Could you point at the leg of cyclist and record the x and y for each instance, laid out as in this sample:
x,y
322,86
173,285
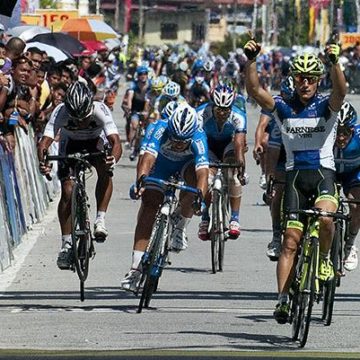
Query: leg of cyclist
x,y
65,257
150,203
293,199
327,201
185,211
274,247
132,132
351,257
203,232
235,193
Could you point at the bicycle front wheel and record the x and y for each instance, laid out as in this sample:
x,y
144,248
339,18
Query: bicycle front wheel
x,y
224,219
151,264
80,231
329,287
307,290
215,230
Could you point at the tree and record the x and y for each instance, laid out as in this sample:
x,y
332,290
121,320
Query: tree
x,y
48,4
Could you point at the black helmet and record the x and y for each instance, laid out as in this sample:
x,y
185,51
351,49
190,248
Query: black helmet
x,y
78,100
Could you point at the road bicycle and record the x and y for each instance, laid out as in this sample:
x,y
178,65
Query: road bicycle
x,y
219,214
306,287
82,240
138,136
337,258
156,254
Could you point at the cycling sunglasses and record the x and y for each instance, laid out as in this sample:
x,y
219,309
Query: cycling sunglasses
x,y
179,141
311,79
222,110
344,131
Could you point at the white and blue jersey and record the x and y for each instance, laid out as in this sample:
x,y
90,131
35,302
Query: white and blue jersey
x,y
219,139
347,161
308,132
169,161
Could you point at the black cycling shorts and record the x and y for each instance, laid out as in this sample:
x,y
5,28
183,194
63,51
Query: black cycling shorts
x,y
304,188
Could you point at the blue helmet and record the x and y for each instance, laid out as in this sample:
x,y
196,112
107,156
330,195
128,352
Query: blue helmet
x,y
183,122
347,116
142,70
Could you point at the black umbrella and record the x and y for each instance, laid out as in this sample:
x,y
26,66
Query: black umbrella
x,y
62,41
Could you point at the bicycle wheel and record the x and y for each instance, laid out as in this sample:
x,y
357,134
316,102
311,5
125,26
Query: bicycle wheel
x,y
329,287
151,266
307,291
215,230
224,219
80,231
295,313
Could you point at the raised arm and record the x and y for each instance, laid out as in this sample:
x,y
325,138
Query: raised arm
x,y
253,88
338,91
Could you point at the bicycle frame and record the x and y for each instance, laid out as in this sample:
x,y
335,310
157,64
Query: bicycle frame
x,y
155,257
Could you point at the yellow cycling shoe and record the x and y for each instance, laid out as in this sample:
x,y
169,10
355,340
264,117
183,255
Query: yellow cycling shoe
x,y
326,270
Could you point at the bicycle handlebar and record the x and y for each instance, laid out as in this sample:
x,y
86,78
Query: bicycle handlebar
x,y
223,165
318,212
150,179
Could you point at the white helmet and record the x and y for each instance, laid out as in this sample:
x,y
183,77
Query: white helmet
x,y
209,66
172,89
183,122
223,96
168,110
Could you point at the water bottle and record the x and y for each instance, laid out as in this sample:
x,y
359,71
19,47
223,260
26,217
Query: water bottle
x,y
13,118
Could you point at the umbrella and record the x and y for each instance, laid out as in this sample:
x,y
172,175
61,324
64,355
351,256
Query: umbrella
x,y
113,43
61,41
27,32
94,45
88,29
52,51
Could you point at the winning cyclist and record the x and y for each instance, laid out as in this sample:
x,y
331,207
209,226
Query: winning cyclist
x,y
347,152
176,146
225,128
80,122
308,125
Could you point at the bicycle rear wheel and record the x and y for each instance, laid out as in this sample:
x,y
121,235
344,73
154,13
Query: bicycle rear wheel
x,y
215,230
81,235
307,291
329,287
224,219
151,266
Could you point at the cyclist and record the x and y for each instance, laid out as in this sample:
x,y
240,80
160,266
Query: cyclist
x,y
274,165
198,90
136,102
171,92
80,121
347,152
308,126
176,146
225,128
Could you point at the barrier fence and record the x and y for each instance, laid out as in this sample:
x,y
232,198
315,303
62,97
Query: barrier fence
x,y
24,193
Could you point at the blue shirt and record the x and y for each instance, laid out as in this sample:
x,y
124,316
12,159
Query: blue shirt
x,y
308,132
160,146
348,158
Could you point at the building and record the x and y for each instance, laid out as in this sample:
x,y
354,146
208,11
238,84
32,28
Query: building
x,y
174,21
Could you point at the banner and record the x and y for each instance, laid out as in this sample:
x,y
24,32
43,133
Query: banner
x,y
54,19
349,39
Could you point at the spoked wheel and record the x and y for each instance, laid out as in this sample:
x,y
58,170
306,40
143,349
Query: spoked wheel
x,y
215,231
81,236
224,218
151,267
295,314
307,293
329,287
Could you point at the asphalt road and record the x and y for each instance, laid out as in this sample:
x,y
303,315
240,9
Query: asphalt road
x,y
194,314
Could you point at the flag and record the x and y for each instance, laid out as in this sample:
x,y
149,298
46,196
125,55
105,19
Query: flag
x,y
7,7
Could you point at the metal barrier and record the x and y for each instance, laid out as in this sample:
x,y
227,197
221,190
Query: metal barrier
x,y
24,193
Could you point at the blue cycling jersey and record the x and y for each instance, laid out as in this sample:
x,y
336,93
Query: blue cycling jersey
x,y
348,159
308,132
220,138
160,146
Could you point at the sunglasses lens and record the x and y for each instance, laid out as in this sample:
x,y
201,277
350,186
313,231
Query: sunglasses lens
x,y
309,79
